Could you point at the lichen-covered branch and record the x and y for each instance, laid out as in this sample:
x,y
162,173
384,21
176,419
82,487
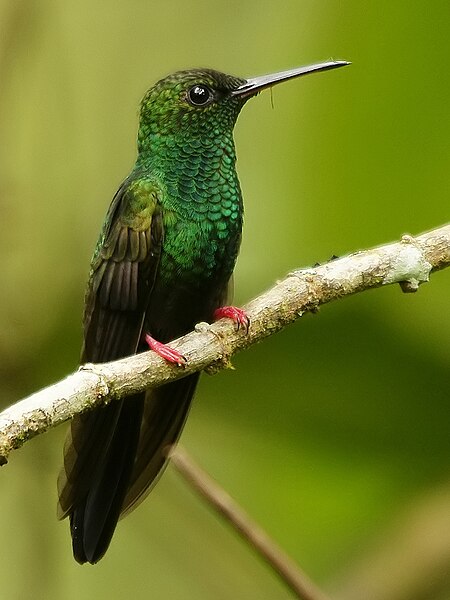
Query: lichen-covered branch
x,y
408,262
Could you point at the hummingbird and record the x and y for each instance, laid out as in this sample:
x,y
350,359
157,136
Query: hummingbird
x,y
163,262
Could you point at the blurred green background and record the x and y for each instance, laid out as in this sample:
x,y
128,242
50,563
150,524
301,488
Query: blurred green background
x,y
333,434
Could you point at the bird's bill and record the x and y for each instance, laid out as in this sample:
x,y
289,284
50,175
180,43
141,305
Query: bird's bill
x,y
257,84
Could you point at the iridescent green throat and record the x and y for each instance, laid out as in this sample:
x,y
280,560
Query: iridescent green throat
x,y
201,201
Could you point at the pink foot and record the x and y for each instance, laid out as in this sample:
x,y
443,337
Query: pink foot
x,y
165,352
231,312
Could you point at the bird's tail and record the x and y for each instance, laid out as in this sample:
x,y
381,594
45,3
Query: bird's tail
x,y
112,458
165,412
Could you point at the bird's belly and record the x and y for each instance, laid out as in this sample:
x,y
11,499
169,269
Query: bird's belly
x,y
177,306
192,282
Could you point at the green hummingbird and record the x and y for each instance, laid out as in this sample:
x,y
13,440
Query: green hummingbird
x,y
163,262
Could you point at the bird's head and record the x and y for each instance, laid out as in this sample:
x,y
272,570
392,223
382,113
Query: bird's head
x,y
202,101
191,102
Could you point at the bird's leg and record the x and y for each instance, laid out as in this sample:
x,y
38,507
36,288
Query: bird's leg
x,y
238,315
169,354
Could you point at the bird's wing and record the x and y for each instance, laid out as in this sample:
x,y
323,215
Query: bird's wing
x,y
123,271
122,274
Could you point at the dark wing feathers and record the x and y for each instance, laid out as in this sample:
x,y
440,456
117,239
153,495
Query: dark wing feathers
x,y
120,279
122,274
114,455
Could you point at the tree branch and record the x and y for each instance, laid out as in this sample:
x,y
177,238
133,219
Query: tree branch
x,y
288,571
408,262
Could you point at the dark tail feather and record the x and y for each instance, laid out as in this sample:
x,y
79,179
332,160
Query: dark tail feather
x,y
94,520
114,456
165,412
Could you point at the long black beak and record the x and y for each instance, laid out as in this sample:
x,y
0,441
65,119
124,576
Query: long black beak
x,y
257,84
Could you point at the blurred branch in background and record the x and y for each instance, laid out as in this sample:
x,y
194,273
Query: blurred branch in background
x,y
258,539
408,262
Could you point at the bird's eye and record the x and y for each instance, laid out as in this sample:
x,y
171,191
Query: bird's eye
x,y
199,95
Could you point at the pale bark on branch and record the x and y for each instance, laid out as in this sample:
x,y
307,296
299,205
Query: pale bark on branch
x,y
408,262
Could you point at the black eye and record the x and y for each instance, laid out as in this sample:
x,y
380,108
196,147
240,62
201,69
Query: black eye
x,y
199,95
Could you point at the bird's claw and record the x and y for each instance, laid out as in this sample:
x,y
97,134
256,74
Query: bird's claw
x,y
166,352
238,315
